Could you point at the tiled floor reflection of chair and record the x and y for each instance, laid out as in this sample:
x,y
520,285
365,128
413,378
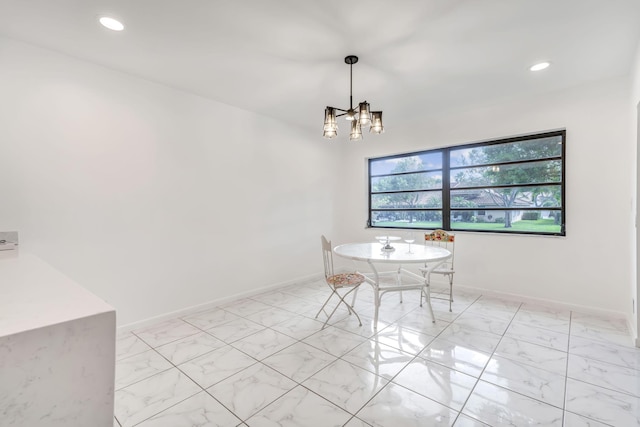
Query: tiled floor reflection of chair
x,y
337,282
447,241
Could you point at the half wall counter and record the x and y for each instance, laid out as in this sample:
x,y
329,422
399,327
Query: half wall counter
x,y
57,348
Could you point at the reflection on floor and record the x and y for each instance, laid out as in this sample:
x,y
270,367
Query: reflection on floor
x,y
264,361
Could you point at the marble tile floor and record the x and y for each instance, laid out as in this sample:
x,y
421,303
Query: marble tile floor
x,y
265,361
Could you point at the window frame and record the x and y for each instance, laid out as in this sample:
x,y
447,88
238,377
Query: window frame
x,y
446,190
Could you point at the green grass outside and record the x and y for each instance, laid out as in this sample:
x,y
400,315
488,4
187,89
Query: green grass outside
x,y
537,226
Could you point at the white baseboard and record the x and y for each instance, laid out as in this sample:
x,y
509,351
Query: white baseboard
x,y
214,303
546,302
634,339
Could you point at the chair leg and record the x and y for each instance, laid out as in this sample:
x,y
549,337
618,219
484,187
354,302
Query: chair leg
x,y
426,291
355,291
399,282
338,305
329,316
427,297
349,307
422,291
333,291
450,291
353,301
377,305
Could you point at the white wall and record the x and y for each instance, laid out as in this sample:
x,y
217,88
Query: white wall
x,y
634,109
154,199
589,267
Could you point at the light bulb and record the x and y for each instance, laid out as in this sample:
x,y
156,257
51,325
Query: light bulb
x,y
111,23
356,131
540,66
376,122
364,116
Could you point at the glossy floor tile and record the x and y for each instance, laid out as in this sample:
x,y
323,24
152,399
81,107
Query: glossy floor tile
x,y
498,406
397,406
139,367
356,388
381,359
300,408
266,361
198,410
251,389
601,404
444,385
456,356
188,348
535,355
527,380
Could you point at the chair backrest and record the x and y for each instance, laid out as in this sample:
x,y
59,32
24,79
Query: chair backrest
x,y
443,239
327,257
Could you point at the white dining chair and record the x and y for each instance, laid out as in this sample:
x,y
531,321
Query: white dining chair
x,y
340,281
447,241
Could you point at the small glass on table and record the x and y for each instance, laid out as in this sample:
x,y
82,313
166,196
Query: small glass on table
x,y
409,238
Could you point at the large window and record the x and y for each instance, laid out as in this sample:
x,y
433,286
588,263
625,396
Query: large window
x,y
513,185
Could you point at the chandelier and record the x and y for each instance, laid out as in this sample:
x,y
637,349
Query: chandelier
x,y
360,116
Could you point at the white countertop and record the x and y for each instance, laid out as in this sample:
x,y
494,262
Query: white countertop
x,y
33,295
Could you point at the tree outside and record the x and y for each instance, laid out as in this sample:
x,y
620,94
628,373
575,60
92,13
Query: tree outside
x,y
409,174
495,174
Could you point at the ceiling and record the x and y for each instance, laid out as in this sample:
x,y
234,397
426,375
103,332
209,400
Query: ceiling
x,y
285,58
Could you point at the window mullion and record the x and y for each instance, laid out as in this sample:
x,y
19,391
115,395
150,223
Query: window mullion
x,y
446,191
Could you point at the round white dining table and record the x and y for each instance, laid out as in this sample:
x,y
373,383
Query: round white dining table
x,y
372,252
403,253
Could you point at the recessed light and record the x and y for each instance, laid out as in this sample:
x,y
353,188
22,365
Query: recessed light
x,y
540,66
111,23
